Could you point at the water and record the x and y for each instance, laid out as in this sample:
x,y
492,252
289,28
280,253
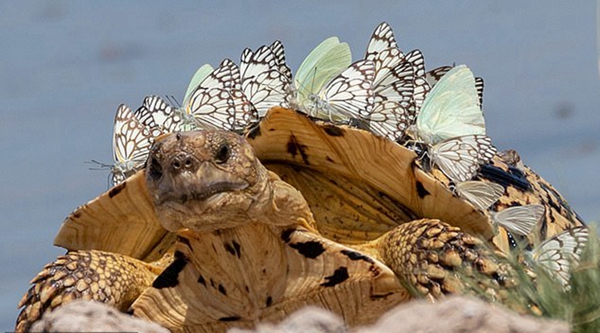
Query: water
x,y
66,66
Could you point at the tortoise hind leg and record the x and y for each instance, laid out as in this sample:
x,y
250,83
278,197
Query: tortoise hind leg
x,y
433,256
94,275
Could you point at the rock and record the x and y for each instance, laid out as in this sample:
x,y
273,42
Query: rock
x,y
90,316
460,314
455,314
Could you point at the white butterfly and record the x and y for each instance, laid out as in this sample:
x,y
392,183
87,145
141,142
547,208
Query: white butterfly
x,y
480,194
451,108
559,253
519,219
434,75
459,158
262,81
219,103
348,95
279,52
131,144
159,116
382,39
323,63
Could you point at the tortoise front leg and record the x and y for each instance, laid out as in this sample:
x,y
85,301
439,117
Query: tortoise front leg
x,y
433,257
106,277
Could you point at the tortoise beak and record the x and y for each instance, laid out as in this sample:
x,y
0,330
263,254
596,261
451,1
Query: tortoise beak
x,y
187,179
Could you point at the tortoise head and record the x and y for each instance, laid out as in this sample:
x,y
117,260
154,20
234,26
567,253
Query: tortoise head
x,y
205,180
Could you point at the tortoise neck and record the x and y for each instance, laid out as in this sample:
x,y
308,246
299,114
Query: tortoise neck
x,y
285,207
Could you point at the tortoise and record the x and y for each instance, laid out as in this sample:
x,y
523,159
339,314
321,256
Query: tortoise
x,y
356,215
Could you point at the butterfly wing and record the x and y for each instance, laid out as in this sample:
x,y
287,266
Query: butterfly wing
x,y
131,144
520,219
434,75
198,77
381,39
350,94
451,108
158,115
483,144
456,159
326,61
558,253
261,81
481,194
388,119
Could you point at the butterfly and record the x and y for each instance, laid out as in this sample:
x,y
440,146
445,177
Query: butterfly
x,y
262,81
382,39
519,220
323,63
558,253
218,101
480,194
198,77
450,109
459,158
347,96
434,75
286,72
159,116
131,144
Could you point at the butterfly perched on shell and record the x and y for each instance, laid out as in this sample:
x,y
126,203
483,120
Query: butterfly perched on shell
x,y
434,75
319,79
520,220
451,109
159,116
265,78
218,102
480,194
557,255
393,84
131,144
459,158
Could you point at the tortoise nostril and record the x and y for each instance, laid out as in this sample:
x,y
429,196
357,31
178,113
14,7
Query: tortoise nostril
x,y
176,164
184,162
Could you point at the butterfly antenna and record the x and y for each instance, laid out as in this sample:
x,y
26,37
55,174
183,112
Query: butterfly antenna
x,y
172,100
101,166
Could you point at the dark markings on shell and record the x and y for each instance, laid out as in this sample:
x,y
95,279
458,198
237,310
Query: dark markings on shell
x,y
353,255
294,148
333,130
222,290
231,318
504,178
516,172
230,249
237,248
311,249
168,278
115,190
421,190
286,234
374,297
76,214
201,280
340,275
329,159
269,301
254,133
184,241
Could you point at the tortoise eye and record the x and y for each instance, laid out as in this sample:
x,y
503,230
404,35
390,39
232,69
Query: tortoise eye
x,y
222,154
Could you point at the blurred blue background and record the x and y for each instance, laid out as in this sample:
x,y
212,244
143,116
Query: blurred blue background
x,y
66,66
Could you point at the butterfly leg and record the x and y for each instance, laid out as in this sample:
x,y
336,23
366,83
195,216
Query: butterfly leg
x,y
93,275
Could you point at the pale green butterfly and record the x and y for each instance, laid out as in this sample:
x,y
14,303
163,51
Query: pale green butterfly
x,y
198,77
323,63
451,108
